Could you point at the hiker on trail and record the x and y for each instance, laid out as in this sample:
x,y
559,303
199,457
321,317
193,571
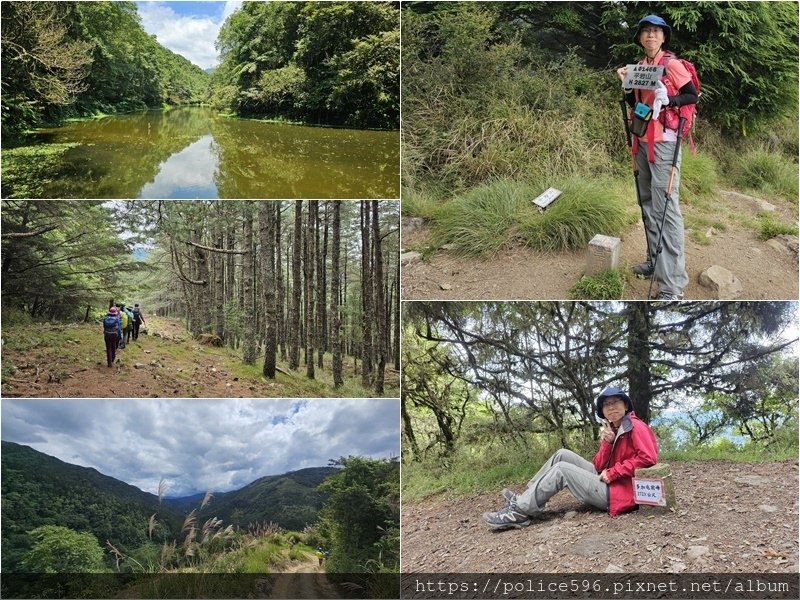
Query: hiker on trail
x,y
138,321
123,317
112,331
653,154
626,444
128,331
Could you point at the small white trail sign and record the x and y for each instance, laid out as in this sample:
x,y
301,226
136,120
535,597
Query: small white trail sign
x,y
649,491
643,77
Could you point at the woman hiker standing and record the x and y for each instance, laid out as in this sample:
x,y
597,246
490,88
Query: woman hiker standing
x,y
656,149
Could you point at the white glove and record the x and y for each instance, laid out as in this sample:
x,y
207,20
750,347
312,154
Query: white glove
x,y
661,99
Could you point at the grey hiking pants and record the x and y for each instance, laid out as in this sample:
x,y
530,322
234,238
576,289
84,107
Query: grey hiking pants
x,y
653,181
564,469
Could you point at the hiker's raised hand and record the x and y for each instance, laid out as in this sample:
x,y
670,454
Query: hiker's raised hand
x,y
621,72
607,434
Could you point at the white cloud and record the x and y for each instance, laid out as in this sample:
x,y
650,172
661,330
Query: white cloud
x,y
195,445
192,37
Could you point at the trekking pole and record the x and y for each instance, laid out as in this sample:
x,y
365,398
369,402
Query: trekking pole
x,y
624,106
667,200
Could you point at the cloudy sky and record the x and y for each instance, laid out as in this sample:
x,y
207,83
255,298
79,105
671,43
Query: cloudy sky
x,y
187,28
197,445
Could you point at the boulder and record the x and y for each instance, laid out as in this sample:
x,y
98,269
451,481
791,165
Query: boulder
x,y
408,258
784,243
755,204
722,282
411,224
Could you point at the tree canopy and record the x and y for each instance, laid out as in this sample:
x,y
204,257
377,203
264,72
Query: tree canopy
x,y
538,367
76,58
324,62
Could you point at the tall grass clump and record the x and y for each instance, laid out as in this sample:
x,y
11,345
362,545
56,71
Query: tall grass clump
x,y
766,172
584,209
478,223
769,227
698,176
608,285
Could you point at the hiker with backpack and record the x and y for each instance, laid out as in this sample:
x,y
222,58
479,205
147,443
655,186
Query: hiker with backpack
x,y
626,444
138,321
127,332
665,115
112,332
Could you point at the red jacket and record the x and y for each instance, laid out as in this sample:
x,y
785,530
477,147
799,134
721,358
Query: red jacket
x,y
635,447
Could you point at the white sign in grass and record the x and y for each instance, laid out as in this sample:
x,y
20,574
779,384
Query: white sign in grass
x,y
649,491
546,198
643,77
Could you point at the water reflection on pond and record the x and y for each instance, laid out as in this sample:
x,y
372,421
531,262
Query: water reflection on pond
x,y
191,153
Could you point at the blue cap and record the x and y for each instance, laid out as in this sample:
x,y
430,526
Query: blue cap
x,y
653,20
613,391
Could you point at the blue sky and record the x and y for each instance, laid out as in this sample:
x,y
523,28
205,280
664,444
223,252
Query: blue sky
x,y
195,444
187,28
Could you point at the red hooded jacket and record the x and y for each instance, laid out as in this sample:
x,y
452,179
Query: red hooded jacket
x,y
634,447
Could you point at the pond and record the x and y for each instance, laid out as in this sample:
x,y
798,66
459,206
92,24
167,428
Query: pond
x,y
192,153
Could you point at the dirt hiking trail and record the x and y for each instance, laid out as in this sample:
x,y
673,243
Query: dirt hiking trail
x,y
731,517
767,270
300,579
68,361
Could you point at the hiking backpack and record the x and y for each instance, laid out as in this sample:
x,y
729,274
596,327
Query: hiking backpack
x,y
110,324
670,116
137,314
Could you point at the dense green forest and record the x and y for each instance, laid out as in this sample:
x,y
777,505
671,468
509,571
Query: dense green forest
x,y
320,62
99,524
502,100
268,279
328,63
63,59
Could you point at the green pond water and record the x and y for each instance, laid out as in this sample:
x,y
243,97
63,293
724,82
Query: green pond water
x,y
191,153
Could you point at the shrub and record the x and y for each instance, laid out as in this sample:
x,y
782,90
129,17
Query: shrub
x,y
698,175
585,208
767,172
478,223
608,285
770,228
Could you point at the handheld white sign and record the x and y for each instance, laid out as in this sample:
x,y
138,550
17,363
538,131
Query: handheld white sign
x,y
649,491
643,77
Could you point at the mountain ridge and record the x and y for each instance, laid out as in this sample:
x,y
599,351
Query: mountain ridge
x,y
39,489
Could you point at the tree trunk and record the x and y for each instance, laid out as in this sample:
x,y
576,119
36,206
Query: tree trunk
x,y
396,310
380,306
249,333
336,342
366,296
266,221
408,431
294,327
230,272
219,278
311,250
321,321
279,284
639,379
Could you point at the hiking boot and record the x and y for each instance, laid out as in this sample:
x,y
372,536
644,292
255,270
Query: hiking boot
x,y
667,297
644,269
506,518
510,497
